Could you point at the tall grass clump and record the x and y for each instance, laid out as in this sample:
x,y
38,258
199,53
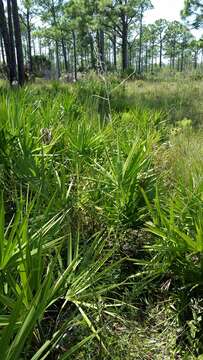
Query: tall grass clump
x,y
176,229
51,287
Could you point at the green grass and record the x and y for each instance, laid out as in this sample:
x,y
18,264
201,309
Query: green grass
x,y
175,98
101,220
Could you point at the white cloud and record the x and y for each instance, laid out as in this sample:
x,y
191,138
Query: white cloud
x,y
166,9
169,10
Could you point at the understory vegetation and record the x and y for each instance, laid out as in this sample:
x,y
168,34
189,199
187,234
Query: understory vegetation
x,y
101,220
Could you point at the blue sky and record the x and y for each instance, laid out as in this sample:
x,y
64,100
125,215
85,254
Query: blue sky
x,y
167,9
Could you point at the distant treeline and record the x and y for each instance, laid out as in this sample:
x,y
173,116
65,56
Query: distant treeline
x,y
80,35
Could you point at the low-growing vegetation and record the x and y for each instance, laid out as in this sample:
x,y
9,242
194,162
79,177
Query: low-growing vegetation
x,y
101,220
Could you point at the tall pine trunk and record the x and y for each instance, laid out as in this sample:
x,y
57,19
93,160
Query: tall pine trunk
x,y
2,50
74,55
195,59
93,60
140,41
173,55
18,41
114,52
182,59
152,58
160,53
101,50
33,46
82,59
29,41
64,55
11,37
58,70
125,47
146,59
6,41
